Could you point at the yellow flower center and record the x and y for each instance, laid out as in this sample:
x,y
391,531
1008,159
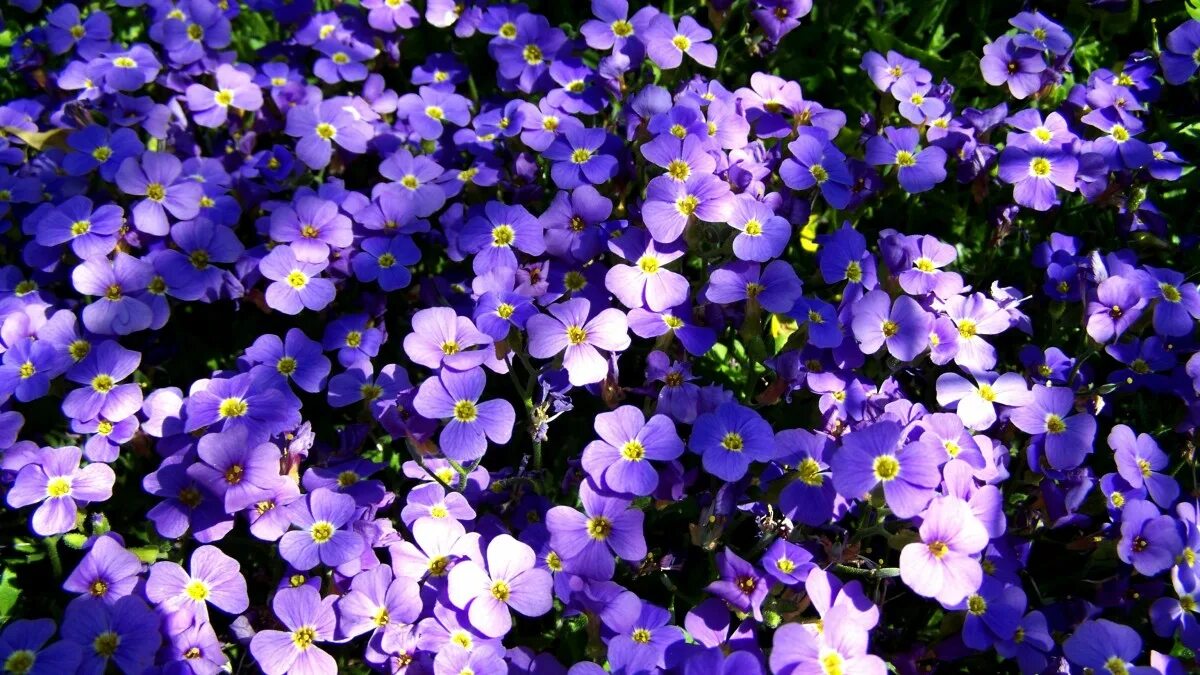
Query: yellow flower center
x,y
733,442
640,636
753,228
321,531
1170,293
681,42
889,328
465,411
532,54
905,158
1039,167
80,227
1119,133
503,235
233,475
297,279
687,204
223,98
20,662
679,170
304,637
500,590
633,451
785,565
854,273
26,370
286,365
232,407
59,486
439,511
976,604
124,62
939,549
326,131
581,156
1055,424
106,643
818,173
576,335
886,467
98,588
381,617
621,28
966,329
438,565
196,590
156,192
810,472
599,528
508,30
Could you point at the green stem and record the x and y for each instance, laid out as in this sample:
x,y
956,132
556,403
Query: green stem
x,y
52,553
863,573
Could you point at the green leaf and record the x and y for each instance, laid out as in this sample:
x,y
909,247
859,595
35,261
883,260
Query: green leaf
x,y
1193,9
147,554
8,593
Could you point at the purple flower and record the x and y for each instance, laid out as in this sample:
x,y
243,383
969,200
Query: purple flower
x,y
455,395
570,331
93,232
384,259
236,470
903,327
510,580
238,402
235,89
436,544
414,186
494,234
578,158
158,177
319,126
309,619
729,439
918,169
429,109
942,565
740,585
872,456
993,613
620,460
125,634
214,578
296,358
642,639
666,46
587,541
1178,303
96,147
378,602
841,647
322,516
763,235
115,311
311,226
1034,173
925,275
775,287
1039,32
1139,461
125,71
108,572
432,501
56,482
23,649
975,404
1118,305
1068,438
295,285
28,367
1150,541
1005,62
671,205
1179,62
887,71
101,370
809,495
647,282
571,222
816,161
1103,645
388,15
1120,147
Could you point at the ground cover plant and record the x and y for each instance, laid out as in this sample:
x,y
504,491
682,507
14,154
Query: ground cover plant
x,y
465,337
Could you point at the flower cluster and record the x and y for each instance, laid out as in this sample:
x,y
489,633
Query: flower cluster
x,y
467,337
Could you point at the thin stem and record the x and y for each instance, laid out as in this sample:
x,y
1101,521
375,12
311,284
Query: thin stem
x,y
52,554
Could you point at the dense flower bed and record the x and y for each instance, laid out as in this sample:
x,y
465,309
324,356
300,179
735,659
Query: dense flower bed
x,y
468,338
